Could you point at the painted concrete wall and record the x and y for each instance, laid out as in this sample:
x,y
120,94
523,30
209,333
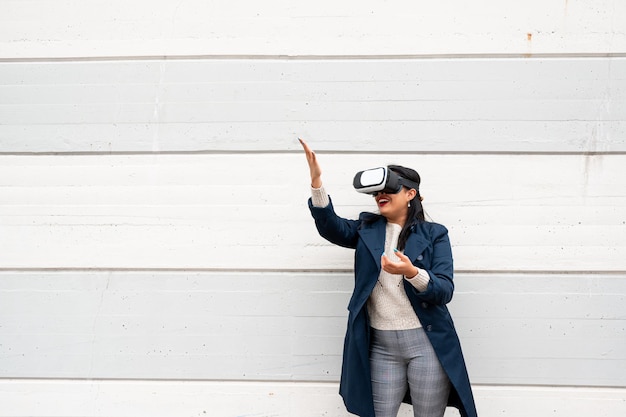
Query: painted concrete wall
x,y
157,257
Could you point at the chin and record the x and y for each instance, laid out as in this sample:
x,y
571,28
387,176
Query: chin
x,y
383,212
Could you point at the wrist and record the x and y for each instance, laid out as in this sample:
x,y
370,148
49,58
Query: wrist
x,y
413,273
316,182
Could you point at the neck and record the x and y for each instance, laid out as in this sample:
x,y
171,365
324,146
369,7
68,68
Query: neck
x,y
397,220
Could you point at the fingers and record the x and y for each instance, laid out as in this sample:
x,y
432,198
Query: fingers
x,y
388,265
402,256
310,155
314,167
402,266
305,146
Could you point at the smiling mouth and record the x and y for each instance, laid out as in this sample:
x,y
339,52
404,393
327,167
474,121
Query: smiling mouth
x,y
382,202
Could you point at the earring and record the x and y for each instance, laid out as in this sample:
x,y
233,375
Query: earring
x,y
409,204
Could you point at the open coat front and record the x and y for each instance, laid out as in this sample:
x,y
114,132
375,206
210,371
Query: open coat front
x,y
428,247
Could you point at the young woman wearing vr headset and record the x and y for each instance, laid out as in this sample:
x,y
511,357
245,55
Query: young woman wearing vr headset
x,y
400,344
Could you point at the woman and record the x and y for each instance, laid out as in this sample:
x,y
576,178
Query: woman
x,y
400,343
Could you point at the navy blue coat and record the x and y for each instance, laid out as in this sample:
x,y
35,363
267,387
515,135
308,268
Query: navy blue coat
x,y
428,247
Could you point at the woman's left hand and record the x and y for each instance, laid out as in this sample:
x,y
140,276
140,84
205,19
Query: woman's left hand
x,y
402,267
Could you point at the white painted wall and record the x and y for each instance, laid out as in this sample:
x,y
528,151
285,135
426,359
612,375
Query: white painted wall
x,y
476,105
157,257
88,28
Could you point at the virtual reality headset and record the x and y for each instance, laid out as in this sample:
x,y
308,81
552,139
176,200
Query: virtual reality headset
x,y
382,179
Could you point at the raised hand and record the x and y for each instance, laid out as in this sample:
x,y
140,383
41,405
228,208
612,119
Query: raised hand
x,y
314,166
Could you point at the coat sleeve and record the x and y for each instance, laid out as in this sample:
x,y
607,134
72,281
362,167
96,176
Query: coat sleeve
x,y
441,285
335,229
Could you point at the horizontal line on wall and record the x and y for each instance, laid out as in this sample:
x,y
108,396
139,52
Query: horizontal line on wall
x,y
321,152
304,271
280,57
281,382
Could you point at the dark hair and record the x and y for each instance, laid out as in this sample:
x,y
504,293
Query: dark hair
x,y
415,214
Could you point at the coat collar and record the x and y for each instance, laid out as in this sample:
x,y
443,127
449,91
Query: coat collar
x,y
416,243
374,238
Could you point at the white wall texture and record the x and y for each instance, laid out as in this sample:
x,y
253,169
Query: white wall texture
x,y
157,257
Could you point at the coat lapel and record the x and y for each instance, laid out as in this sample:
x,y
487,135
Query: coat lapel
x,y
374,239
415,244
366,274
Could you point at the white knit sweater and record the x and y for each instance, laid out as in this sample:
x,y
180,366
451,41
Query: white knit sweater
x,y
388,306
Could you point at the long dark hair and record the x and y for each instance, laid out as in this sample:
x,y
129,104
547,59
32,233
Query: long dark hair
x,y
415,213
